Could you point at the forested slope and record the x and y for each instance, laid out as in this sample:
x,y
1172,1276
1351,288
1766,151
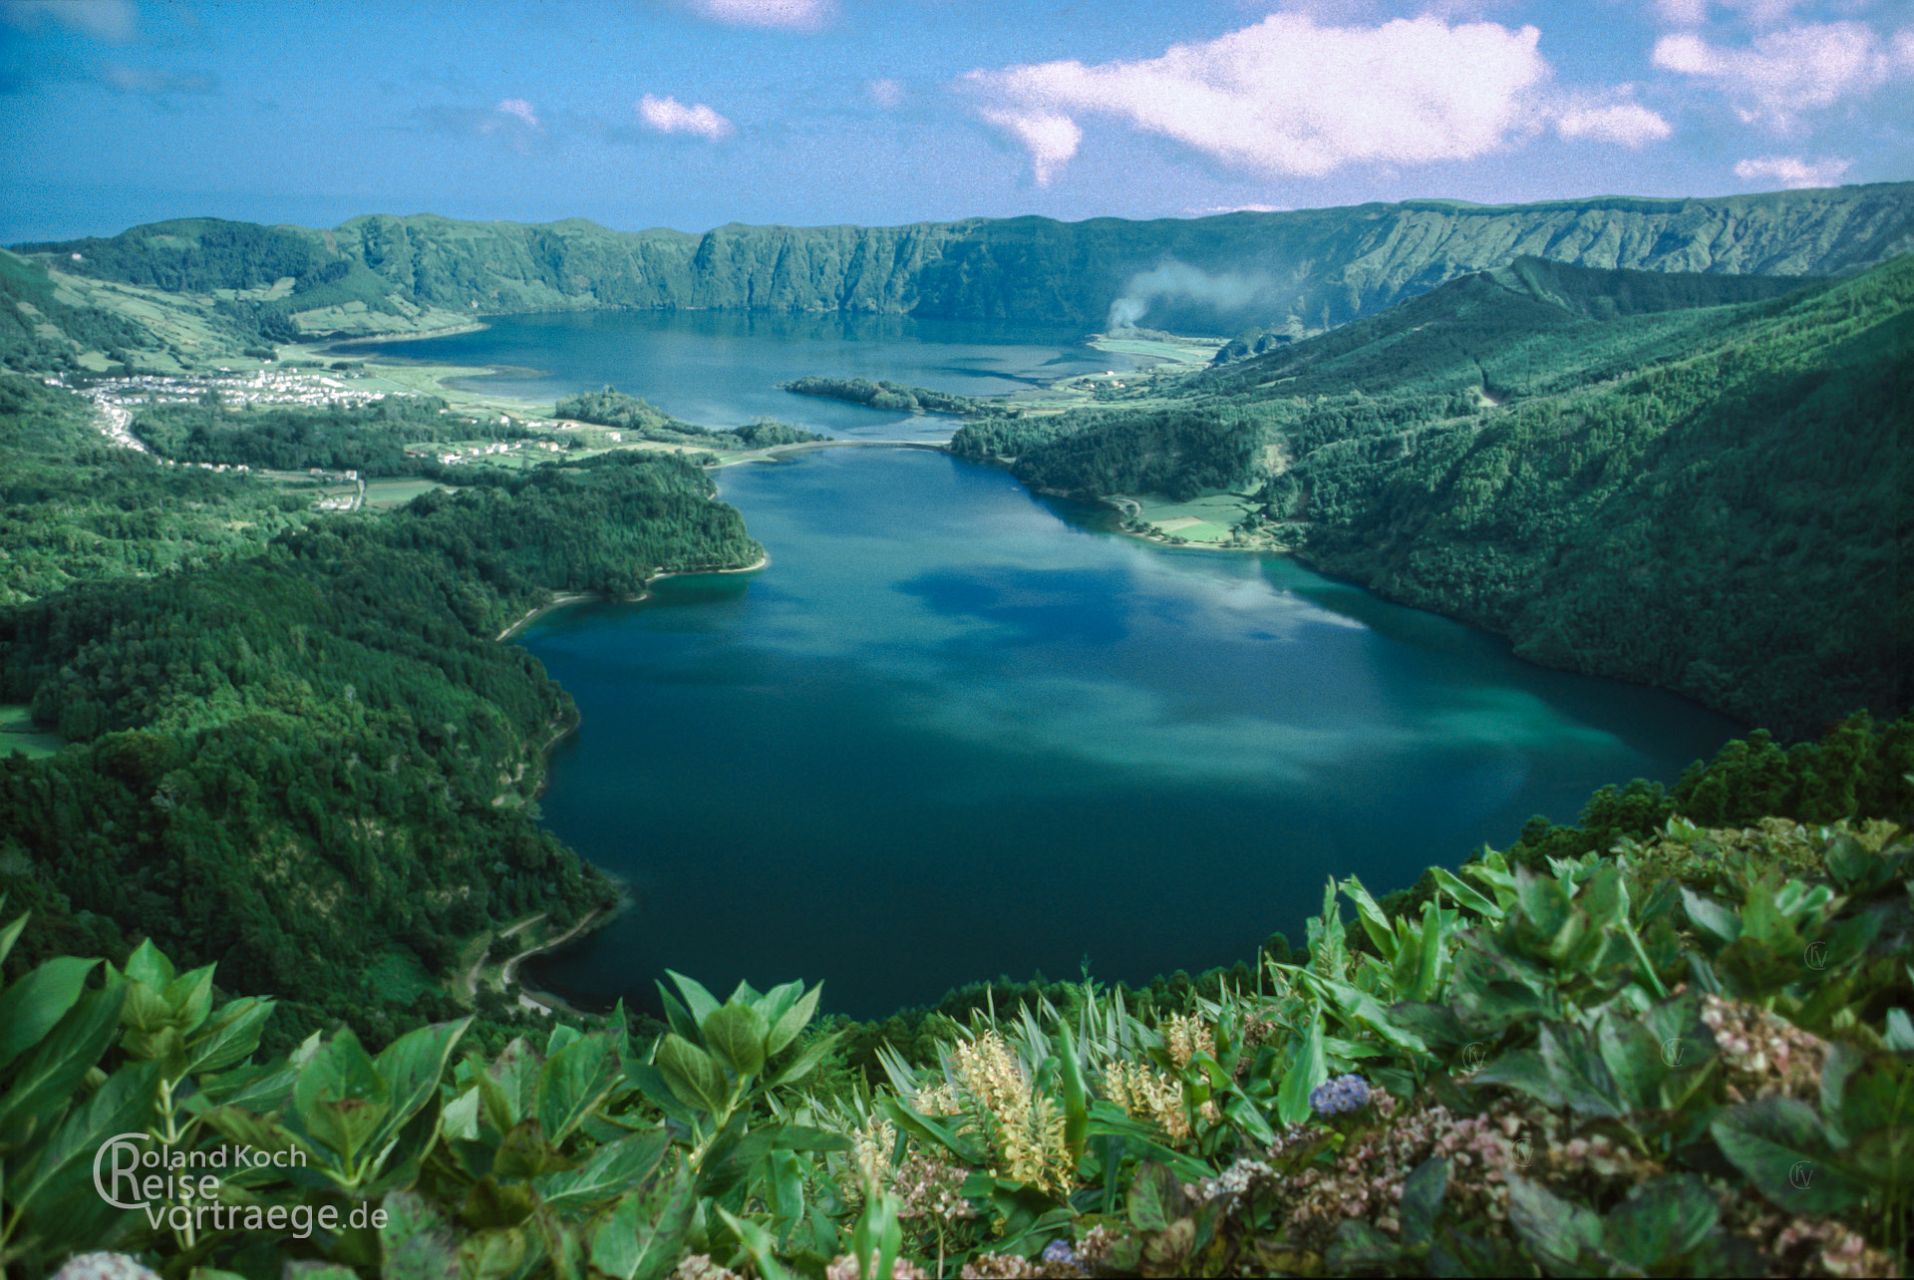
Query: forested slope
x,y
1310,268
306,758
1711,499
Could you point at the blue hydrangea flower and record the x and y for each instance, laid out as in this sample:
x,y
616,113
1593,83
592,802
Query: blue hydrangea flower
x,y
1340,1096
1059,1252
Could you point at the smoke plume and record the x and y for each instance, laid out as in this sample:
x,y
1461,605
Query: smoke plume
x,y
1179,281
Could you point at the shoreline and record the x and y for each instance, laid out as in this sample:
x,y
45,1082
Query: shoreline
x,y
327,344
564,599
549,1003
535,999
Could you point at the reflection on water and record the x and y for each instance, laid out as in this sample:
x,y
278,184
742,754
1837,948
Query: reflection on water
x,y
723,369
956,731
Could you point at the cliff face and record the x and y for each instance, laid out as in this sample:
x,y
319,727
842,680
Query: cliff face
x,y
1308,269
1319,267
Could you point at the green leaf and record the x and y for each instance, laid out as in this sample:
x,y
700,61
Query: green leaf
x,y
651,1082
1429,960
690,1074
1464,894
700,1002
1307,1069
1374,923
1660,1222
56,1188
1780,1146
877,1238
758,1243
607,1171
1562,1234
45,1079
644,1234
149,964
411,1068
736,1033
574,1080
805,1060
1422,1193
416,1242
32,1006
1076,1109
792,1020
340,1099
509,1086
1155,1198
1710,916
1635,1060
1578,1073
10,933
677,1017
232,1037
932,1132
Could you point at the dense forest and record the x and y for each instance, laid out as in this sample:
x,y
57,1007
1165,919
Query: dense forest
x,y
1620,482
307,759
76,509
371,437
611,407
894,397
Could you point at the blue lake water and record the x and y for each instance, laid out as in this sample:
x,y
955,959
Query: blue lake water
x,y
723,369
956,730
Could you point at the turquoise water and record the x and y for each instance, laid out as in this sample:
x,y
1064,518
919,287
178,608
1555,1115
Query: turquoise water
x,y
954,731
722,369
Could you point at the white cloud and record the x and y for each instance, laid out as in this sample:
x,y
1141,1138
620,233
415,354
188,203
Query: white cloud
x,y
1783,73
1693,13
1287,96
1682,13
801,14
1051,139
1623,122
668,115
1792,171
886,93
114,20
519,109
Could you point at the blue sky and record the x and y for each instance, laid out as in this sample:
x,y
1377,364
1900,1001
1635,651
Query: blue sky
x,y
692,113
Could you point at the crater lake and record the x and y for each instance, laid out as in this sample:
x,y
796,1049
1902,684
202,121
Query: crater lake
x,y
956,730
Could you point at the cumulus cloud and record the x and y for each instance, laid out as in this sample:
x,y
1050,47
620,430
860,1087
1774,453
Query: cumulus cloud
x,y
668,115
799,14
886,93
1782,73
1050,138
114,20
1615,119
153,83
1792,171
1288,96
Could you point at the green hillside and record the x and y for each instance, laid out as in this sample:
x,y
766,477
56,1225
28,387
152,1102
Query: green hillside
x,y
1310,269
1652,496
294,745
